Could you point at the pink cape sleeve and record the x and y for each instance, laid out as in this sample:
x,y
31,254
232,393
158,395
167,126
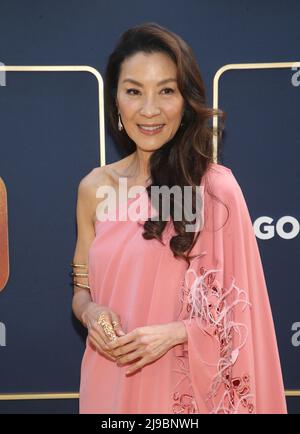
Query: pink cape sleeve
x,y
233,358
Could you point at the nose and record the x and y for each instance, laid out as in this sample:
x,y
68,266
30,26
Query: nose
x,y
149,107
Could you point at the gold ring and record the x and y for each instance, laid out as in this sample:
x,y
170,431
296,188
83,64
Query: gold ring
x,y
101,318
107,327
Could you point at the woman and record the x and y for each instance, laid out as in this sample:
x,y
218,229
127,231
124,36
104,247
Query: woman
x,y
178,321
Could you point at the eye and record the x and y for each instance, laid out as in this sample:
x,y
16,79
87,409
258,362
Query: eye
x,y
130,90
169,89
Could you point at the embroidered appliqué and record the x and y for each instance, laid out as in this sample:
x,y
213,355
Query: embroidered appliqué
x,y
183,397
184,403
213,309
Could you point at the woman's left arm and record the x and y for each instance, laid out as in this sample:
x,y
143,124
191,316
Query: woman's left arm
x,y
234,363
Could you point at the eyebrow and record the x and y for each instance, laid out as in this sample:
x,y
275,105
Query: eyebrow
x,y
130,80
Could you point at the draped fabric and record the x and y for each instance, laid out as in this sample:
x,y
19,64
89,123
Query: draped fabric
x,y
232,350
230,362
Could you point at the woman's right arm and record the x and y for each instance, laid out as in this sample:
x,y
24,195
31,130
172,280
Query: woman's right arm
x,y
85,310
82,302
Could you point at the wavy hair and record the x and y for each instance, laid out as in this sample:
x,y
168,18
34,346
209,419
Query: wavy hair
x,y
184,159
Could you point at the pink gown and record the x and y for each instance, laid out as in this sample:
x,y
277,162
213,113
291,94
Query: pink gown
x,y
230,363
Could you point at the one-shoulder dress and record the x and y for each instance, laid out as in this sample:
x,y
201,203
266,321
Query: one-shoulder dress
x,y
230,362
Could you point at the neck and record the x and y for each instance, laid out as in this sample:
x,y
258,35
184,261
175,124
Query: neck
x,y
138,165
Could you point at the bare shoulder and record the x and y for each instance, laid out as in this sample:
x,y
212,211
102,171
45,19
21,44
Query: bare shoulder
x,y
107,175
87,192
118,168
104,175
92,180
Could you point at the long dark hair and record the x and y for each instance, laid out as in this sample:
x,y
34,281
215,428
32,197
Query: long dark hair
x,y
184,159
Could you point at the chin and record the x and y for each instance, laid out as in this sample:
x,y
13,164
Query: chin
x,y
149,143
149,148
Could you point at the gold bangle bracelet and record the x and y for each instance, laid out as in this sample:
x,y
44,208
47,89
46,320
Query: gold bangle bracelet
x,y
81,285
78,265
80,274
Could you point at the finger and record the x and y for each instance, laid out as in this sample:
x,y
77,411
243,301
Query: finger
x,y
129,358
99,339
125,349
99,349
95,344
104,327
116,323
122,340
135,367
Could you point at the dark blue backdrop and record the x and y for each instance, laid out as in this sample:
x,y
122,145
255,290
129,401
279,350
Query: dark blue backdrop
x,y
50,140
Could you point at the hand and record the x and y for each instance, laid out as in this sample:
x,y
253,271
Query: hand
x,y
97,338
147,344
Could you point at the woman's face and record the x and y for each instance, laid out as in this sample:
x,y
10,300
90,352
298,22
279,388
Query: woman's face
x,y
148,96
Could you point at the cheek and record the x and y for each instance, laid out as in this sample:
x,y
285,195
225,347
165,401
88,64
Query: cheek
x,y
127,106
173,111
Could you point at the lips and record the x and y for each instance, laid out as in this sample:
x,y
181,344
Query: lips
x,y
150,129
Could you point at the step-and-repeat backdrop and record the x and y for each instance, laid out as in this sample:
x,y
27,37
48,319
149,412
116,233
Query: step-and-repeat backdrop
x,y
50,139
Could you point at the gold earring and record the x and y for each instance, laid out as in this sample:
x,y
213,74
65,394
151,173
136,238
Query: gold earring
x,y
120,126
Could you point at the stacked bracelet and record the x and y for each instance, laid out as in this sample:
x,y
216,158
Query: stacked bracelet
x,y
75,283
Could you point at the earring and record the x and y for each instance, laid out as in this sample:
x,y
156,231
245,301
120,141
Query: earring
x,y
120,126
